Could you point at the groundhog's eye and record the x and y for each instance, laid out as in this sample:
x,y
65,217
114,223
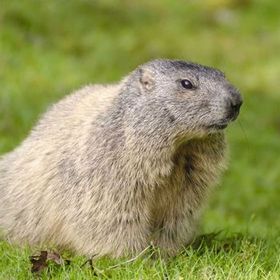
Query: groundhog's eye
x,y
186,84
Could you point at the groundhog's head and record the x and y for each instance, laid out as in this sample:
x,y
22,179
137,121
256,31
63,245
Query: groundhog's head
x,y
193,98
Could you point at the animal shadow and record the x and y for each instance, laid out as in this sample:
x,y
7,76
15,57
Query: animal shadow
x,y
218,242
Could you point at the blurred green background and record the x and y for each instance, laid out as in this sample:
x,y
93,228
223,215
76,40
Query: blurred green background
x,y
49,48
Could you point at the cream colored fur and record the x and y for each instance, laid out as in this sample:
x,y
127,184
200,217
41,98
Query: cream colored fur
x,y
110,169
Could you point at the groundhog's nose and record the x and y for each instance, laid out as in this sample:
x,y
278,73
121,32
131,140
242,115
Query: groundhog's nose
x,y
234,109
234,102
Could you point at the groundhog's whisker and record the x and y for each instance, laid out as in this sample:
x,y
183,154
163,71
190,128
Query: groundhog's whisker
x,y
243,131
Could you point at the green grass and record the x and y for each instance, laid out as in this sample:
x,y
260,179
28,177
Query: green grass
x,y
49,48
235,257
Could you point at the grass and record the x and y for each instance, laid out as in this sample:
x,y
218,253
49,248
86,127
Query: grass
x,y
237,257
49,48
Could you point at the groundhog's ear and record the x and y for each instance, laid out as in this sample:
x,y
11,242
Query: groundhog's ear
x,y
146,79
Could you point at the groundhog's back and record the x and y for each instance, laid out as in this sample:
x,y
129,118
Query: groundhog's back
x,y
64,126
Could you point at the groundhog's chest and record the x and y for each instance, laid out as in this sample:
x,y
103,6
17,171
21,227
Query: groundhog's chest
x,y
195,169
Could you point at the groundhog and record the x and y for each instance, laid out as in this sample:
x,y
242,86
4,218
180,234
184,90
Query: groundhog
x,y
111,169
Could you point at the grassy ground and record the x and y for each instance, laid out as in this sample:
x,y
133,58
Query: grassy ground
x,y
48,48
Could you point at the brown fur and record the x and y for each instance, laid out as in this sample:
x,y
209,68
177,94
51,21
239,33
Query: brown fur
x,y
110,169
